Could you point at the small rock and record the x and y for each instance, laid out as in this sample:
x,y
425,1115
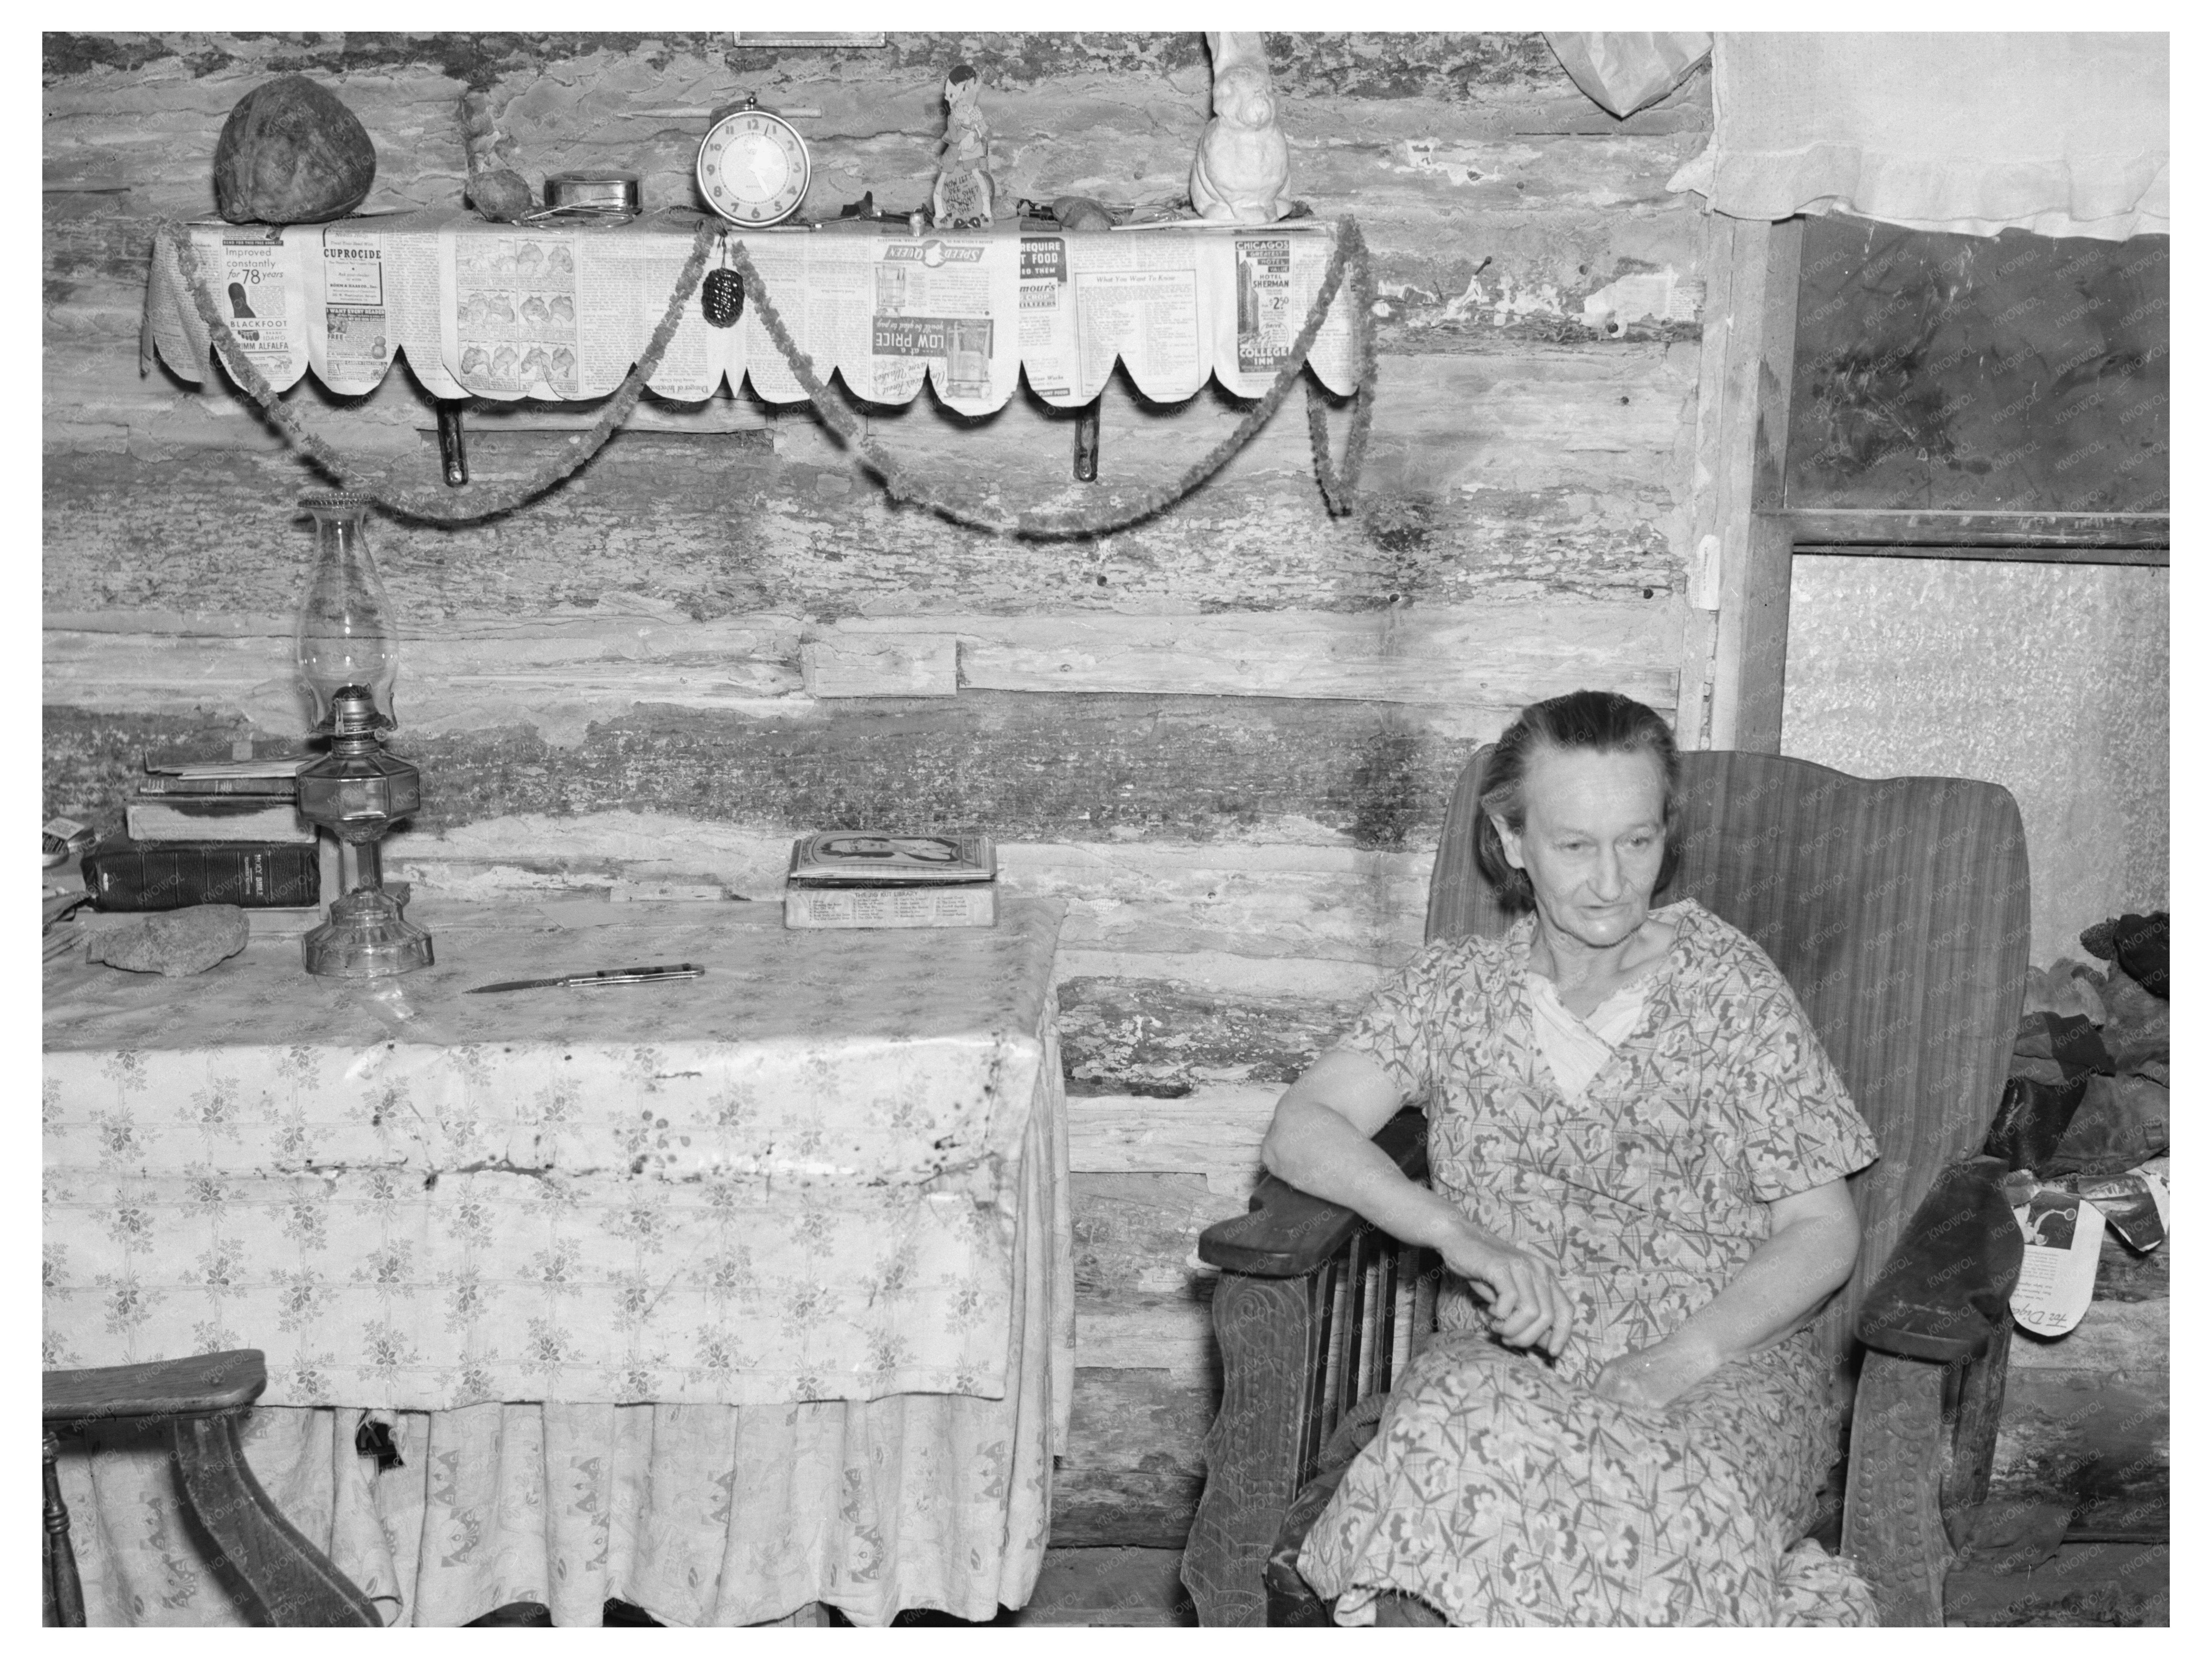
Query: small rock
x,y
500,195
174,943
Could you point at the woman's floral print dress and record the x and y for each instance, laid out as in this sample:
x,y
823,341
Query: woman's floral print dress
x,y
1499,1488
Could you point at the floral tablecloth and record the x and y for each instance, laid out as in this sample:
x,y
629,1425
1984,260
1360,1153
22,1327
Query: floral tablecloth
x,y
830,1170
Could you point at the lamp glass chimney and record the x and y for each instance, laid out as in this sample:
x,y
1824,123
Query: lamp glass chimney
x,y
345,635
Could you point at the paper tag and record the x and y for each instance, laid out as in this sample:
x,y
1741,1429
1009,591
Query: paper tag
x,y
2058,1266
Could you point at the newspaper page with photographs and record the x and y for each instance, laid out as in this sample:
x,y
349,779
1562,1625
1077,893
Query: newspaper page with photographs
x,y
510,319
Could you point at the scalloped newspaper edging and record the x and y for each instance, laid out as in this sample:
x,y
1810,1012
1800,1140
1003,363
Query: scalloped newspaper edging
x,y
1337,482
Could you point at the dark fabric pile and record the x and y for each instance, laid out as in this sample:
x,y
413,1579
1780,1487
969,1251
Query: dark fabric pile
x,y
2087,1093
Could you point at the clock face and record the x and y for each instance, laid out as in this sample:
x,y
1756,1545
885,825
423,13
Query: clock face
x,y
753,168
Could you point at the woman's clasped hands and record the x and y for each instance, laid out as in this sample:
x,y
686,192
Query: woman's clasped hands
x,y
1528,1307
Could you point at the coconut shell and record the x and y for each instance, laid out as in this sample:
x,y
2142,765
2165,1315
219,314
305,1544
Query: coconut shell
x,y
291,154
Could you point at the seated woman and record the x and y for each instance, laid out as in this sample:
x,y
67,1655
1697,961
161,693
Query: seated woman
x,y
1636,1149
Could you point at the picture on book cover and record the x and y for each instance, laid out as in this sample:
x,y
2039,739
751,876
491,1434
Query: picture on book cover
x,y
873,857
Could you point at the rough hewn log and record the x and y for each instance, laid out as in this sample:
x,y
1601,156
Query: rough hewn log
x,y
1477,657
1136,1233
1499,197
1133,1473
1167,1334
1215,1132
1227,918
1500,78
2127,1341
1128,1037
1502,476
1031,767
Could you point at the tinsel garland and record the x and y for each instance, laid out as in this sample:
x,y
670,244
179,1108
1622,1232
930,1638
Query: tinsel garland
x,y
1338,488
473,506
1338,484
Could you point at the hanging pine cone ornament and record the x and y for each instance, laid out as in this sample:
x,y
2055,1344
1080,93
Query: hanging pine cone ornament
x,y
291,154
722,296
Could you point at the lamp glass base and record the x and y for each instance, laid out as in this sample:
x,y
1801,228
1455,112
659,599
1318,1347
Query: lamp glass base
x,y
366,938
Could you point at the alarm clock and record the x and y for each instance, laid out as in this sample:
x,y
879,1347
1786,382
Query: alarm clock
x,y
753,167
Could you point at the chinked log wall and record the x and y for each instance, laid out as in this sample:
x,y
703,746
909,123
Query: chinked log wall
x,y
1225,738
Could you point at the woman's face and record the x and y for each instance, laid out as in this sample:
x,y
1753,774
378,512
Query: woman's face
x,y
1594,836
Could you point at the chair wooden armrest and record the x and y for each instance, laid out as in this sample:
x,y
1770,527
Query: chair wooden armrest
x,y
1937,1324
198,1401
1287,1233
205,1382
1944,1289
1286,1265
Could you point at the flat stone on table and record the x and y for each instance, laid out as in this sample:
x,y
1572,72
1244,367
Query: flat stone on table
x,y
174,942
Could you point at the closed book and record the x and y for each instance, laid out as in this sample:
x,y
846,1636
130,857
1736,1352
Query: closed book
x,y
215,817
959,906
169,783
172,875
193,767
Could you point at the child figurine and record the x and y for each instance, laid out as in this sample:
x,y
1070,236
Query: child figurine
x,y
1243,165
962,199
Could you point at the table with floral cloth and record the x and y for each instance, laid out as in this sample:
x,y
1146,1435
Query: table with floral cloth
x,y
721,1296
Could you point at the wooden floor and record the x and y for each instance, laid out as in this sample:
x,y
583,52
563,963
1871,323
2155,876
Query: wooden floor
x,y
2084,1584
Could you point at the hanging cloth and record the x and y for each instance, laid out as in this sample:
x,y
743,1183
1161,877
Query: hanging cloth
x,y
2064,135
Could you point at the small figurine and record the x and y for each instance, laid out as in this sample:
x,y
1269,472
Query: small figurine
x,y
1243,165
962,197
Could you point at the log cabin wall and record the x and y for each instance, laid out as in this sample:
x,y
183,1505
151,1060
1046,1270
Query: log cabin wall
x,y
1225,738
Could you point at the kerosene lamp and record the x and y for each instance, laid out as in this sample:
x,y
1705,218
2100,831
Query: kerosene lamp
x,y
349,656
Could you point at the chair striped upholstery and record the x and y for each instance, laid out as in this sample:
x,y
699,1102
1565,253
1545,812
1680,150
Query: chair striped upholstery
x,y
1896,909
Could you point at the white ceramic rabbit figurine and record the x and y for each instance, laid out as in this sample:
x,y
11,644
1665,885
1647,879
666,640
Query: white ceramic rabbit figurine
x,y
1242,168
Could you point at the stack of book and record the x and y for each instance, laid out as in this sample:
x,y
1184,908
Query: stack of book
x,y
211,832
884,878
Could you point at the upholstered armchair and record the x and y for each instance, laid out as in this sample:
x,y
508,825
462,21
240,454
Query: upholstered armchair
x,y
1897,908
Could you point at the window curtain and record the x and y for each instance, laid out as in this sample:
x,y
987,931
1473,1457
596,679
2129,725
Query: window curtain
x,y
2064,135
